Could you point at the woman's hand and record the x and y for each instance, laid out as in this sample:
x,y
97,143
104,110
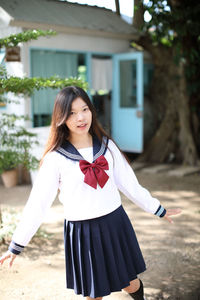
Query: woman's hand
x,y
171,212
8,255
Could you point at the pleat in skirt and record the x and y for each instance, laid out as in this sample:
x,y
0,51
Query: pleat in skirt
x,y
102,255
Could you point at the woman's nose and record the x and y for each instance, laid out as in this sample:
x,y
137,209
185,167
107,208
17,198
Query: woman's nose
x,y
79,116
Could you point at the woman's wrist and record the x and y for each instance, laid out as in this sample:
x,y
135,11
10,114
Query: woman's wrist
x,y
15,248
161,211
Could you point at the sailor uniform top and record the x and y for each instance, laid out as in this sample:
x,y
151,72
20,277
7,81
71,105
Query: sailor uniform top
x,y
87,188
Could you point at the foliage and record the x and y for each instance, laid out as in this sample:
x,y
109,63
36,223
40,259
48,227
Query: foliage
x,y
8,224
8,160
27,85
15,143
14,39
176,23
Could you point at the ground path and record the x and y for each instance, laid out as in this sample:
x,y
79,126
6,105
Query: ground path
x,y
172,252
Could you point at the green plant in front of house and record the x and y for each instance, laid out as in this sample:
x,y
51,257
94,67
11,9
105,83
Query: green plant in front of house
x,y
8,223
27,86
15,144
8,160
22,37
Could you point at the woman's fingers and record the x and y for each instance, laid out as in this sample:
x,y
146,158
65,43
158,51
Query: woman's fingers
x,y
8,255
4,257
171,212
168,219
13,256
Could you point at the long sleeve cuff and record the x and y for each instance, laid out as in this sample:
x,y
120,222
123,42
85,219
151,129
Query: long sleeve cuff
x,y
15,248
161,211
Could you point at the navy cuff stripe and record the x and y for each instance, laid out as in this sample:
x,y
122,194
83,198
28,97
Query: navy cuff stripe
x,y
15,248
164,212
161,211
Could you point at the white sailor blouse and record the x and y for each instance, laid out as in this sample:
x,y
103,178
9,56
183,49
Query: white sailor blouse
x,y
87,190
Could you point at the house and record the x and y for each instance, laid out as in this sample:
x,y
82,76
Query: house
x,y
91,42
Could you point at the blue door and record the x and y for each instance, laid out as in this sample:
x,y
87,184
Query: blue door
x,y
127,101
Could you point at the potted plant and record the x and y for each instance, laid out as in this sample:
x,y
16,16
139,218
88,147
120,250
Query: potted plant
x,y
15,148
8,167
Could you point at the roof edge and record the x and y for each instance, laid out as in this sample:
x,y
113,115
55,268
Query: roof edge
x,y
74,30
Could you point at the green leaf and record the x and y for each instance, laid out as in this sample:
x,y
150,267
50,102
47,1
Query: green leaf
x,y
25,36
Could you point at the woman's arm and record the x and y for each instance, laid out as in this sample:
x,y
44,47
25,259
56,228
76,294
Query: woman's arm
x,y
41,198
128,184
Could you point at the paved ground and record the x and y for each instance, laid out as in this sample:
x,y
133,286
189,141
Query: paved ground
x,y
171,251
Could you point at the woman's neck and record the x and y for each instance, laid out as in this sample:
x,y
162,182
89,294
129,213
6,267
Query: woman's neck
x,y
81,141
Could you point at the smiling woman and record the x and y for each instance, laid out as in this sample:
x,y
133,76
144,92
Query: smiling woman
x,y
101,249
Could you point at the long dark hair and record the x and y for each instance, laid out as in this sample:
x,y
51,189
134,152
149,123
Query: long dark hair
x,y
62,108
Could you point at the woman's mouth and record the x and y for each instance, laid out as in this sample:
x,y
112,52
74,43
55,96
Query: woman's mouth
x,y
82,126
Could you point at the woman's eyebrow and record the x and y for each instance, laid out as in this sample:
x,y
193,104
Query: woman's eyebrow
x,y
85,105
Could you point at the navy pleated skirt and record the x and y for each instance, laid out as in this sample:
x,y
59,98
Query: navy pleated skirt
x,y
102,254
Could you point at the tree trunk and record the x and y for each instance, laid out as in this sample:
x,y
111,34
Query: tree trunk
x,y
188,148
138,18
0,217
173,139
162,146
117,7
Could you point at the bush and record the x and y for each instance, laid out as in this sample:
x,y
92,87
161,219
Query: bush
x,y
15,144
8,224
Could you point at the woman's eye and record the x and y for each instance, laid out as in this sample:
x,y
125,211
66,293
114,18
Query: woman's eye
x,y
85,109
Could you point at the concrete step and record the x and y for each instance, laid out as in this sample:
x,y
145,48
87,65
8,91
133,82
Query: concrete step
x,y
168,169
157,169
139,165
183,171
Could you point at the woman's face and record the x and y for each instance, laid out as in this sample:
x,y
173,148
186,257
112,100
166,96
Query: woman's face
x,y
80,118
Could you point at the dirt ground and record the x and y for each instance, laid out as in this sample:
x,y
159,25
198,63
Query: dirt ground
x,y
171,251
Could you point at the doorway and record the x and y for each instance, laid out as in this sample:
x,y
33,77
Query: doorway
x,y
101,88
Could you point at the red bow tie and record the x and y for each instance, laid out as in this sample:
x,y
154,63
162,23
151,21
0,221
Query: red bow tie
x,y
94,173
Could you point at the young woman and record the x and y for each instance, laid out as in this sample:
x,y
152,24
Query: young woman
x,y
101,250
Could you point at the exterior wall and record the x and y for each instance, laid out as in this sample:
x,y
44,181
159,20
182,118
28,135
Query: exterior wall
x,y
8,30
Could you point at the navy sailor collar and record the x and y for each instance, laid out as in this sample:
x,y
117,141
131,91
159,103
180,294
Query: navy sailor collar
x,y
69,151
